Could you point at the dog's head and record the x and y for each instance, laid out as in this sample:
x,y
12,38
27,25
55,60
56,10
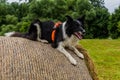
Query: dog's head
x,y
75,27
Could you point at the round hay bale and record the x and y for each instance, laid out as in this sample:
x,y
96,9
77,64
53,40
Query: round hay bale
x,y
22,59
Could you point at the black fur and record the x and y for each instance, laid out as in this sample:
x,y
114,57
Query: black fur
x,y
46,30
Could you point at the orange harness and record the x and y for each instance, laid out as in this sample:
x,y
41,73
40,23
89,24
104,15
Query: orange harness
x,y
54,30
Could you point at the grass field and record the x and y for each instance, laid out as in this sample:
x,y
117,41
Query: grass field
x,y
106,56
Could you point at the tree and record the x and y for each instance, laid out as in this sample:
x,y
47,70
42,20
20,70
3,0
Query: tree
x,y
23,11
118,26
3,12
96,17
95,14
114,24
13,8
3,1
97,3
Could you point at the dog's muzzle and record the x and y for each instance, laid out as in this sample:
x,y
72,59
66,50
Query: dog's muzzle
x,y
79,34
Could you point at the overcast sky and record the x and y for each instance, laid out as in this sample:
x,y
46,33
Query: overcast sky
x,y
15,1
110,4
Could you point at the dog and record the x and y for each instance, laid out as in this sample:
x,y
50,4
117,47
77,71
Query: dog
x,y
59,35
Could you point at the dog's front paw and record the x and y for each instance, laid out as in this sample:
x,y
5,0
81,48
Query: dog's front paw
x,y
81,56
73,61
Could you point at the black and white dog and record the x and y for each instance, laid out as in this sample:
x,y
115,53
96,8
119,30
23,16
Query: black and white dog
x,y
61,35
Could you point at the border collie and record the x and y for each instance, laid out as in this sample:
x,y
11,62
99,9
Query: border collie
x,y
59,35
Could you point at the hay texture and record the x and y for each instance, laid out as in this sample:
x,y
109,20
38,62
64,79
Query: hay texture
x,y
22,59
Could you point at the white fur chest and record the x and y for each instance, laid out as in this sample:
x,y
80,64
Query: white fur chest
x,y
72,41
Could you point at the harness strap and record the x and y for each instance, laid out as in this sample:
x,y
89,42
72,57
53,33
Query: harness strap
x,y
54,30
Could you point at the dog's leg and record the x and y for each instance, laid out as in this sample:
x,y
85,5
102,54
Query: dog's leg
x,y
62,50
77,52
43,41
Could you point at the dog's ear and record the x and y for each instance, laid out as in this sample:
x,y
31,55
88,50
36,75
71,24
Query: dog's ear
x,y
69,18
81,19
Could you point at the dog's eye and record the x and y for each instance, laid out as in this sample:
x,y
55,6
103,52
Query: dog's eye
x,y
77,24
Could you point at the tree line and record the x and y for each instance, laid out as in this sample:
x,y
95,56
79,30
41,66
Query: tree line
x,y
98,23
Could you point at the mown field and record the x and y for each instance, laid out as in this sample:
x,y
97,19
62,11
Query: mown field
x,y
106,56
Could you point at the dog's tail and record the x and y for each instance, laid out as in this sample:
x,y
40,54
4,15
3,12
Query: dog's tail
x,y
31,34
9,34
17,34
23,35
14,34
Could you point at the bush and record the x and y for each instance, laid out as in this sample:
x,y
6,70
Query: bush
x,y
7,28
23,26
11,19
20,27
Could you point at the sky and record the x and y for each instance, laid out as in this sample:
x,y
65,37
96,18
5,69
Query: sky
x,y
110,4
15,1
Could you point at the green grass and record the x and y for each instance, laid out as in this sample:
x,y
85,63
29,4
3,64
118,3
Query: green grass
x,y
106,56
